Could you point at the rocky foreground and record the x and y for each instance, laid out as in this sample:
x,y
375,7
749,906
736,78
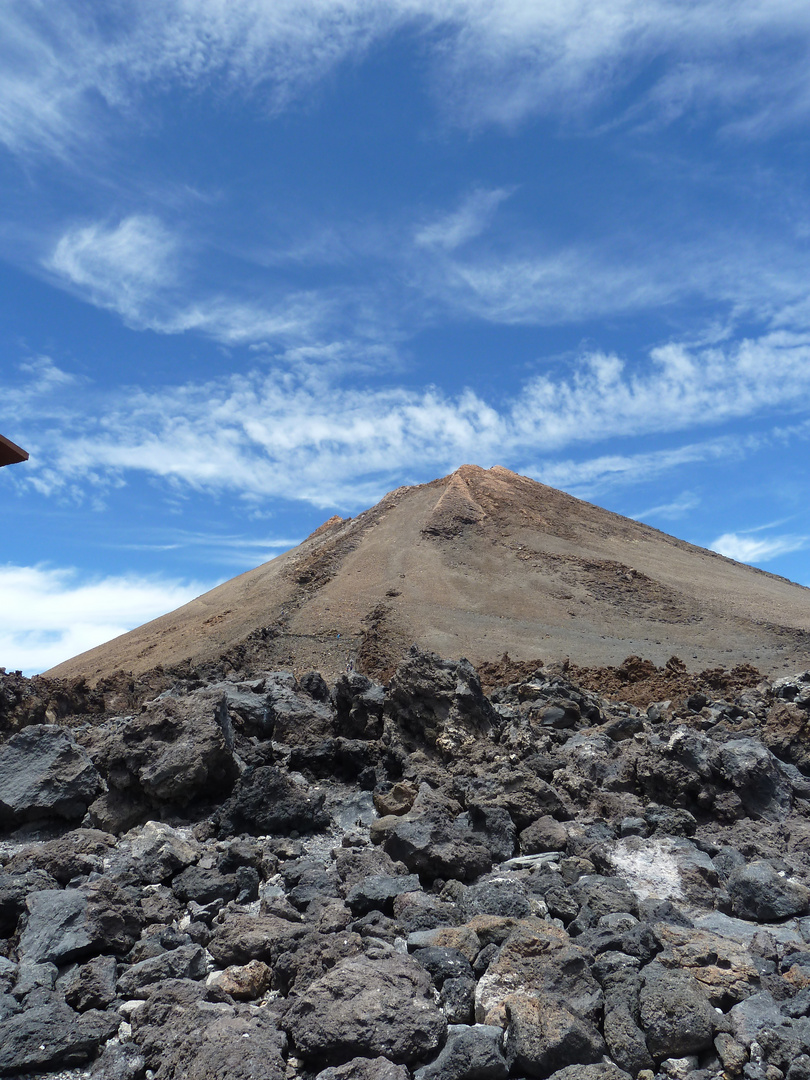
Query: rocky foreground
x,y
262,877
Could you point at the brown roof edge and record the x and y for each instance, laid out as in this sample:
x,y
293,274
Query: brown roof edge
x,y
10,453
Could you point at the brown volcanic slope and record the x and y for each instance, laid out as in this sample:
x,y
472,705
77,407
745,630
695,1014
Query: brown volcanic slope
x,y
476,564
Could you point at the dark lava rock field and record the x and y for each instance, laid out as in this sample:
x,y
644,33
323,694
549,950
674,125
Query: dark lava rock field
x,y
249,876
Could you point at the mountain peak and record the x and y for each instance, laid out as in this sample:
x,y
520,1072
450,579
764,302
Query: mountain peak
x,y
480,563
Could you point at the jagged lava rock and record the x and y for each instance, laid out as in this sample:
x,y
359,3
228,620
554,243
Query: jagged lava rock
x,y
253,928
438,703
45,773
184,1033
72,924
367,1007
47,1037
758,891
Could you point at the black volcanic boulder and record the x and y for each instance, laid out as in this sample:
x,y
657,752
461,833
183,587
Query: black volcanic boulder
x,y
242,938
755,774
298,719
470,1052
73,924
266,801
177,749
74,854
367,1008
377,892
434,845
91,986
185,962
45,1037
359,703
675,1013
759,892
544,1034
365,1069
435,702
14,888
182,1033
44,773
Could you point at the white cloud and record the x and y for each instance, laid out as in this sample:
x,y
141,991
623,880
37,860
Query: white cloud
x,y
750,549
62,73
302,434
557,287
51,614
464,224
678,389
119,267
533,282
134,269
217,548
670,511
147,274
600,473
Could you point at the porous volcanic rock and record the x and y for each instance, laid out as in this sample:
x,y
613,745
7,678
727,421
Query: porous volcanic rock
x,y
45,774
367,1007
412,881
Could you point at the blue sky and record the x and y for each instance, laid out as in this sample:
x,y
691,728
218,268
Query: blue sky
x,y
264,260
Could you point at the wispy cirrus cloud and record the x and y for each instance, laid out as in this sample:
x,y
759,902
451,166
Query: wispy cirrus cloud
x,y
748,548
224,549
64,73
303,434
463,224
592,476
50,613
120,266
670,511
137,269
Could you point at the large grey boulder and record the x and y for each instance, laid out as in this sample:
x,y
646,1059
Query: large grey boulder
x,y
244,937
619,975
537,957
378,892
298,719
516,789
470,1053
365,1069
183,1034
91,986
544,1035
675,1014
437,703
265,800
758,891
359,704
46,1037
430,844
44,773
14,888
74,924
601,1071
625,1039
73,854
185,962
755,1014
119,1061
156,851
756,776
175,750
493,825
370,1008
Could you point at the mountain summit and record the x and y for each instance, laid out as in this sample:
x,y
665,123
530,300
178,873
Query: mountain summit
x,y
476,564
